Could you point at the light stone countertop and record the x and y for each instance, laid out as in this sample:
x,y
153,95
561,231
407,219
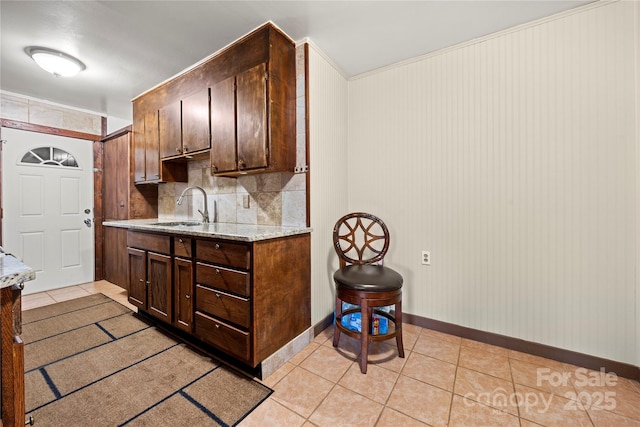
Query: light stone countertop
x,y
12,271
221,230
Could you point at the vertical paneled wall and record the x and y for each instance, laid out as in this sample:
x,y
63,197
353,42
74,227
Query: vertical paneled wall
x,y
637,177
328,117
514,160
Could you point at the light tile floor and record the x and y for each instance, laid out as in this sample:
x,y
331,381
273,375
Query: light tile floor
x,y
63,294
443,380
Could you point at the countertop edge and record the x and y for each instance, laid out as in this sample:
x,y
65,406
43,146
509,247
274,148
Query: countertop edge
x,y
14,272
240,232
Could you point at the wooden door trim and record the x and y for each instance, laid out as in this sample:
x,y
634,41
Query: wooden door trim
x,y
15,124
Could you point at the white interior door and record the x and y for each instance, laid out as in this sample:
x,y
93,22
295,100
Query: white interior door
x,y
48,207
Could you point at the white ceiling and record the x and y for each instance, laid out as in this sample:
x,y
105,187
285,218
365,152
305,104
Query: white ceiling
x,y
131,46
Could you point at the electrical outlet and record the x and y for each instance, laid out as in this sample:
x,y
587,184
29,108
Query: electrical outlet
x,y
426,258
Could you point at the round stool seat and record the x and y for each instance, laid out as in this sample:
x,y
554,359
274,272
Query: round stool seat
x,y
368,278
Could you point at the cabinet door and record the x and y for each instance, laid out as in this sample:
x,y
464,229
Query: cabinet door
x,y
139,149
116,256
116,178
223,126
152,148
169,130
138,278
159,286
195,122
183,286
110,183
252,118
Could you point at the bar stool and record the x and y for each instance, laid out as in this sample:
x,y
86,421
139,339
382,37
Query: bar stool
x,y
361,241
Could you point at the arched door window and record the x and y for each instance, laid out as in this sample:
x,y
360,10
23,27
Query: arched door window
x,y
49,156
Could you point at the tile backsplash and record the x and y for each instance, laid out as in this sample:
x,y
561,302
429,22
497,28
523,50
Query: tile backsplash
x,y
273,199
27,110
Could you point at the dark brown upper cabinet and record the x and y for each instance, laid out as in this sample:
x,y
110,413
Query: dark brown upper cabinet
x,y
147,167
238,105
170,130
184,126
146,157
223,126
239,123
196,135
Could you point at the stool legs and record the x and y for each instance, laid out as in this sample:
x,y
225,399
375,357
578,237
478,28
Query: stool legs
x,y
336,330
365,314
398,316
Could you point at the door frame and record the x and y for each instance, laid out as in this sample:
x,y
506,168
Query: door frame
x,y
97,177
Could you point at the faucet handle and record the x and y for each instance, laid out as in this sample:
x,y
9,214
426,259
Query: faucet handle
x,y
205,216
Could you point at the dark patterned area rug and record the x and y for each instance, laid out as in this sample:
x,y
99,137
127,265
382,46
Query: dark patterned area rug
x,y
91,361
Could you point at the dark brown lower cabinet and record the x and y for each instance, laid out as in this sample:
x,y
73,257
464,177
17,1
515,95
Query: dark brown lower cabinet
x,y
246,299
115,256
138,277
150,274
12,401
159,295
183,294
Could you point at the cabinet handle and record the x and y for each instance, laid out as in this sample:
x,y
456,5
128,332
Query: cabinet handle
x,y
148,283
178,150
217,326
214,168
217,246
187,296
217,271
185,149
180,240
241,164
141,280
218,296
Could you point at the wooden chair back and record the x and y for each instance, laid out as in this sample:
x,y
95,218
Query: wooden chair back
x,y
360,238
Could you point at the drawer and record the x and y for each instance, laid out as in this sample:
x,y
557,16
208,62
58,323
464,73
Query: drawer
x,y
225,306
150,242
222,278
182,246
223,336
223,252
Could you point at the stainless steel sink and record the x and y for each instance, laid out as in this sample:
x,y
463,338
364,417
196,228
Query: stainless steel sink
x,y
177,224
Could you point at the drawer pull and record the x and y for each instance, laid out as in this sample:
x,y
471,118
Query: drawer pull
x,y
141,280
217,245
180,240
217,271
217,326
218,296
187,296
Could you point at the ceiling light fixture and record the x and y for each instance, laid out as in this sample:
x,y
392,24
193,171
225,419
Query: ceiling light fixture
x,y
55,62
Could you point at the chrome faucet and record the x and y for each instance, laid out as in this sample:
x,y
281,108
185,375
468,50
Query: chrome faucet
x,y
205,214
